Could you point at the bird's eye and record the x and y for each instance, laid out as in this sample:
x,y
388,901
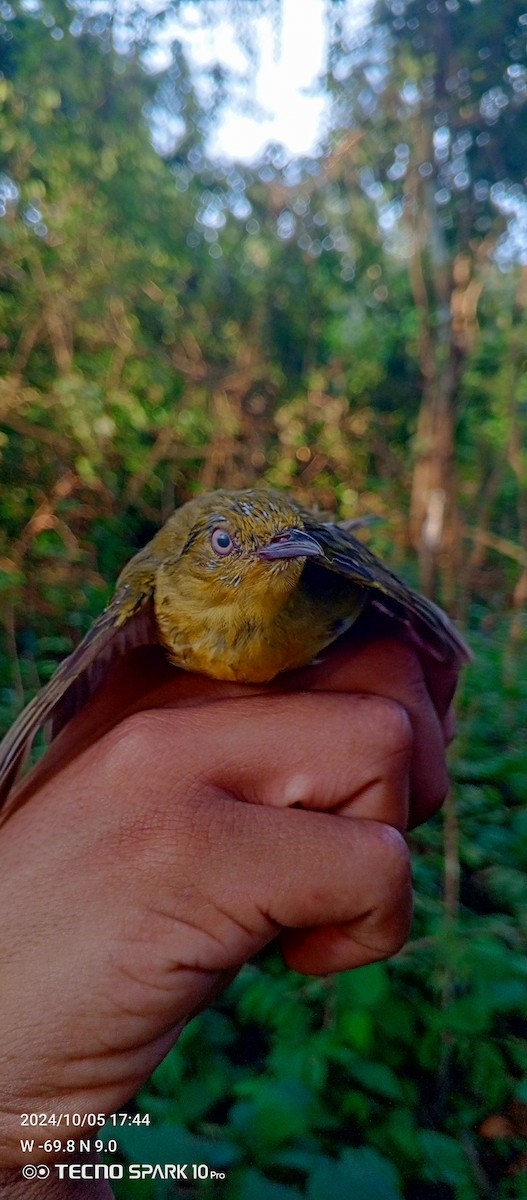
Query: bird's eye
x,y
221,541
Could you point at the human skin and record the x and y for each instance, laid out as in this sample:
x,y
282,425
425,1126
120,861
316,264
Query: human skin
x,y
176,827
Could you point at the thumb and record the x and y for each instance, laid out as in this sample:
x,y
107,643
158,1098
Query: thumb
x,y
336,890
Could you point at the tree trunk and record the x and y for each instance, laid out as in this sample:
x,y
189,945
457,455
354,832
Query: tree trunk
x,y
445,294
433,495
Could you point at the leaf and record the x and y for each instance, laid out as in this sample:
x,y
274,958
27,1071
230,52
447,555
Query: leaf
x,y
445,1159
357,1029
252,1183
172,1144
378,1078
359,1174
277,1113
364,987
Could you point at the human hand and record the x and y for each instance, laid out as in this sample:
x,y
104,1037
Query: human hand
x,y
158,849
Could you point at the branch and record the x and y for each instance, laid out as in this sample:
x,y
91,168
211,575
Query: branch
x,y
495,542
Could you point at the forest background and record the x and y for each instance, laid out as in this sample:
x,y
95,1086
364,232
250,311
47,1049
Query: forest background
x,y
351,327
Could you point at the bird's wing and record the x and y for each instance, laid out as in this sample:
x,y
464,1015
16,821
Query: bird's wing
x,y
127,621
429,625
353,523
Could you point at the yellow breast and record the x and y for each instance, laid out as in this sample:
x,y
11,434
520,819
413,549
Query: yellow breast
x,y
246,639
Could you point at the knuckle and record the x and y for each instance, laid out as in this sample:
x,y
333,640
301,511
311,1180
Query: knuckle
x,y
151,762
396,728
397,862
395,913
386,923
133,747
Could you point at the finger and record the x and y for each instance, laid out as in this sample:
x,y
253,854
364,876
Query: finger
x,y
267,865
340,888
384,665
441,678
358,906
261,865
346,753
142,679
336,891
390,667
147,672
441,681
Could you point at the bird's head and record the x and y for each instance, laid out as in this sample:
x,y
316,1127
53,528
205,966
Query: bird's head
x,y
249,542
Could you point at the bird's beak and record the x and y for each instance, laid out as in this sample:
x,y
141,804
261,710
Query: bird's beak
x,y
291,543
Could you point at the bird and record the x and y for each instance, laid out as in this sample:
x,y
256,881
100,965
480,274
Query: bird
x,y
237,585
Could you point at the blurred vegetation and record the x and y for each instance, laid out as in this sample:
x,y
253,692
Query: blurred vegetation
x,y
352,328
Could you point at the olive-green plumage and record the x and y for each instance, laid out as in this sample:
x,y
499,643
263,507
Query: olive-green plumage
x,y
238,585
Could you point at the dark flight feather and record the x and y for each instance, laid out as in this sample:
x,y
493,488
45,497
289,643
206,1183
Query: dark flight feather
x,y
112,634
350,558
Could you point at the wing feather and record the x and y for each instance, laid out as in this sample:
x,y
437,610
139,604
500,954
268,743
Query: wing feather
x,y
349,557
127,621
